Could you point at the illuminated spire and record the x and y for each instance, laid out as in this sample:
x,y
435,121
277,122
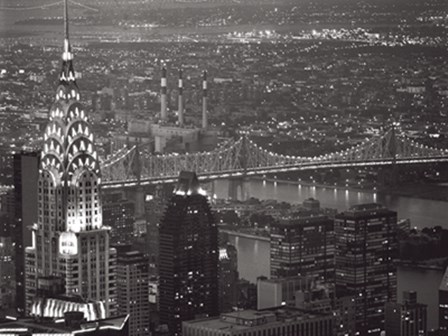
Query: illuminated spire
x,y
67,55
69,146
67,74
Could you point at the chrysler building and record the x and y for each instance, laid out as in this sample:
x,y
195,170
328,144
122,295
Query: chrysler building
x,y
70,247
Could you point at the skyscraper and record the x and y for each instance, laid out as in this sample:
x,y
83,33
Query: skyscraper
x,y
69,240
366,247
188,256
303,246
26,170
119,215
228,278
133,289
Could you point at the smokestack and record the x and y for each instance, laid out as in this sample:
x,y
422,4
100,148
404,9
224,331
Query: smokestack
x,y
181,100
204,100
163,105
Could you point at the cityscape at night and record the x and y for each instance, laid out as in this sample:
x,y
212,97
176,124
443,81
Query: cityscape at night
x,y
224,167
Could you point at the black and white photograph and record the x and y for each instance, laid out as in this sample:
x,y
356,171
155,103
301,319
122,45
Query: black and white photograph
x,y
224,167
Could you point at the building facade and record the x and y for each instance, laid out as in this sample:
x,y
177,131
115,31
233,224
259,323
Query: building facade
x,y
26,171
279,321
228,278
408,318
133,289
119,215
69,239
188,253
303,246
366,250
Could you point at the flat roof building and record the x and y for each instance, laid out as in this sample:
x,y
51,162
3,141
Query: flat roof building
x,y
280,321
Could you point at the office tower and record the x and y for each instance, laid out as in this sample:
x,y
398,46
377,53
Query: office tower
x,y
228,278
69,240
443,303
119,215
345,312
188,256
284,321
7,210
26,172
154,211
407,318
133,289
366,248
7,288
303,246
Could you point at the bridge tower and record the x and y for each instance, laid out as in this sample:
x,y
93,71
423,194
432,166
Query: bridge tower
x,y
140,191
240,183
388,176
393,150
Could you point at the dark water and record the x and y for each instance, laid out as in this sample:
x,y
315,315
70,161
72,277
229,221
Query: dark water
x,y
253,255
421,212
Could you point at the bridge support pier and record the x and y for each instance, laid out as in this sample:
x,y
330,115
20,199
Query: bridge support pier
x,y
238,189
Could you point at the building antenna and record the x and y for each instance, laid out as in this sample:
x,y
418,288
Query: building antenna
x,y
67,55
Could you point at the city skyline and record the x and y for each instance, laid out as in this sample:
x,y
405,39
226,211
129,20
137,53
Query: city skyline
x,y
236,168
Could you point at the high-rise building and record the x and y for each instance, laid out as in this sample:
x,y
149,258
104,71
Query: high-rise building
x,y
7,288
443,303
407,318
366,249
133,289
69,239
188,255
26,172
119,216
228,278
303,246
7,215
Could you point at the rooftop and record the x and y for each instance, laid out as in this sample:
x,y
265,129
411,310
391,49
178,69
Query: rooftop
x,y
59,326
246,319
365,210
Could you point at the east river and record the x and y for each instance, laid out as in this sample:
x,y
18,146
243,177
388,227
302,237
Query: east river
x,y
253,254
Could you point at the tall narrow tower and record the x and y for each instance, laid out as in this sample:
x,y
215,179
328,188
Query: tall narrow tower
x,y
69,241
188,253
181,100
163,99
204,100
366,250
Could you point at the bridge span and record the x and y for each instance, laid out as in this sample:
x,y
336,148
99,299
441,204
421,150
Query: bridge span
x,y
242,157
